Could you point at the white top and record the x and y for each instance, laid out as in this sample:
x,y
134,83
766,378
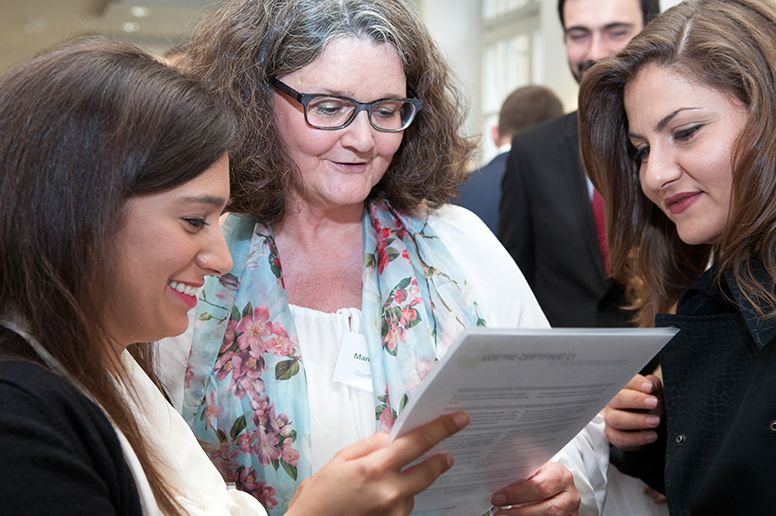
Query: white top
x,y
342,415
202,490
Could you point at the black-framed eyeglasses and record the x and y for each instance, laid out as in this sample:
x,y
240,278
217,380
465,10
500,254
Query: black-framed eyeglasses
x,y
332,112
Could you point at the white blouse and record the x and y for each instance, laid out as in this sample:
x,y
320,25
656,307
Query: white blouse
x,y
201,490
341,415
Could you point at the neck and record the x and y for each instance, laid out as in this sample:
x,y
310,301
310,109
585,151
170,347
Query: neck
x,y
303,222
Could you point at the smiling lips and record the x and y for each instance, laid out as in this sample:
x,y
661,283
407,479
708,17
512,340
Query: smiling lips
x,y
186,293
349,166
678,203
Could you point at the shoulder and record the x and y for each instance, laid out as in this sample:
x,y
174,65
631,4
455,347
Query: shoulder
x,y
237,226
549,131
452,222
498,161
30,391
33,380
483,183
66,455
495,280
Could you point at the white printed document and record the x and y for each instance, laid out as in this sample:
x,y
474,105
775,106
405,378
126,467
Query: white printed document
x,y
528,393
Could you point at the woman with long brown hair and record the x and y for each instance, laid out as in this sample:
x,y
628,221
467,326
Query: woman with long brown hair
x,y
678,132
84,128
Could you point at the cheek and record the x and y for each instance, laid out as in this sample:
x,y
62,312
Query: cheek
x,y
616,46
575,51
299,140
303,144
643,185
388,144
716,167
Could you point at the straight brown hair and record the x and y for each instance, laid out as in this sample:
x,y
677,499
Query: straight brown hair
x,y
83,128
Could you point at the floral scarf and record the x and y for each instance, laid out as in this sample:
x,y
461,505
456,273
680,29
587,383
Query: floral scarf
x,y
246,389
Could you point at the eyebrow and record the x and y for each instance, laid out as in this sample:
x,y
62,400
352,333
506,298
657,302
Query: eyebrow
x,y
664,121
350,96
607,27
209,200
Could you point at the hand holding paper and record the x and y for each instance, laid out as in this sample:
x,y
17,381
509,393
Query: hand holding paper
x,y
528,393
635,412
550,490
370,477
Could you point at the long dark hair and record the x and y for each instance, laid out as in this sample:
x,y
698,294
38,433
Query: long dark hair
x,y
83,128
727,45
243,44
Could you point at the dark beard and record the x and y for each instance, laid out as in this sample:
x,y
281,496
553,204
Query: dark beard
x,y
583,66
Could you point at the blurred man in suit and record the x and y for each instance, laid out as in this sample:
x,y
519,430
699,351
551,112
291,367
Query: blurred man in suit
x,y
522,109
547,207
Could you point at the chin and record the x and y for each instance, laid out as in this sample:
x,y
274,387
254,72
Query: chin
x,y
696,238
178,329
171,329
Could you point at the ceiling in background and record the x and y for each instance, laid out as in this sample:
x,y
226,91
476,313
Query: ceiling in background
x,y
28,26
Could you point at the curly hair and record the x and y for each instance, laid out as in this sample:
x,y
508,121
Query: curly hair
x,y
726,45
237,49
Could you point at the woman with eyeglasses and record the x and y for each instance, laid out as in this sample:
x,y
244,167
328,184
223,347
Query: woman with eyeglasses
x,y
343,246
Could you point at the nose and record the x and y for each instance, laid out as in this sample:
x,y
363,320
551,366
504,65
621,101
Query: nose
x,y
359,135
659,171
215,258
599,49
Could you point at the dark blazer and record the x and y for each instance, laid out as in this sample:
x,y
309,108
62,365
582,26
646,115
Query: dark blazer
x,y
546,223
59,454
482,190
716,452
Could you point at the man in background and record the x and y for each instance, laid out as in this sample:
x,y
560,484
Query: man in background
x,y
523,108
547,220
547,207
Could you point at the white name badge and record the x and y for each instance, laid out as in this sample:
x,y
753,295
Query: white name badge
x,y
352,366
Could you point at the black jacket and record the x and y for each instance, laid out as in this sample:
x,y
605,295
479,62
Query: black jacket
x,y
717,451
481,192
546,223
59,454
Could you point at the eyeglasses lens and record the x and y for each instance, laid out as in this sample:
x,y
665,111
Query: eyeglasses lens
x,y
331,112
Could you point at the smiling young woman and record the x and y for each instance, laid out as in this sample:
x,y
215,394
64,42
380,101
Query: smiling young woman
x,y
678,132
96,166
684,140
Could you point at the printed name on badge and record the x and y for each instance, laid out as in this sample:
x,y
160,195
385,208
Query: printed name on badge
x,y
353,368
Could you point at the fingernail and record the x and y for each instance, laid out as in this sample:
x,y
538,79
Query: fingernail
x,y
450,460
499,499
650,401
651,437
461,419
653,420
647,386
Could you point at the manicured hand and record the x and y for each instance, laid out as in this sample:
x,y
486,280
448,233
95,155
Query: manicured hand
x,y
634,413
369,477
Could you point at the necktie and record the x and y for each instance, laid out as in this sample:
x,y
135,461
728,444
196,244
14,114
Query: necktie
x,y
600,224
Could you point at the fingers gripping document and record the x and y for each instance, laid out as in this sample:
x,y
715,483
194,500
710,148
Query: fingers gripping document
x,y
528,392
